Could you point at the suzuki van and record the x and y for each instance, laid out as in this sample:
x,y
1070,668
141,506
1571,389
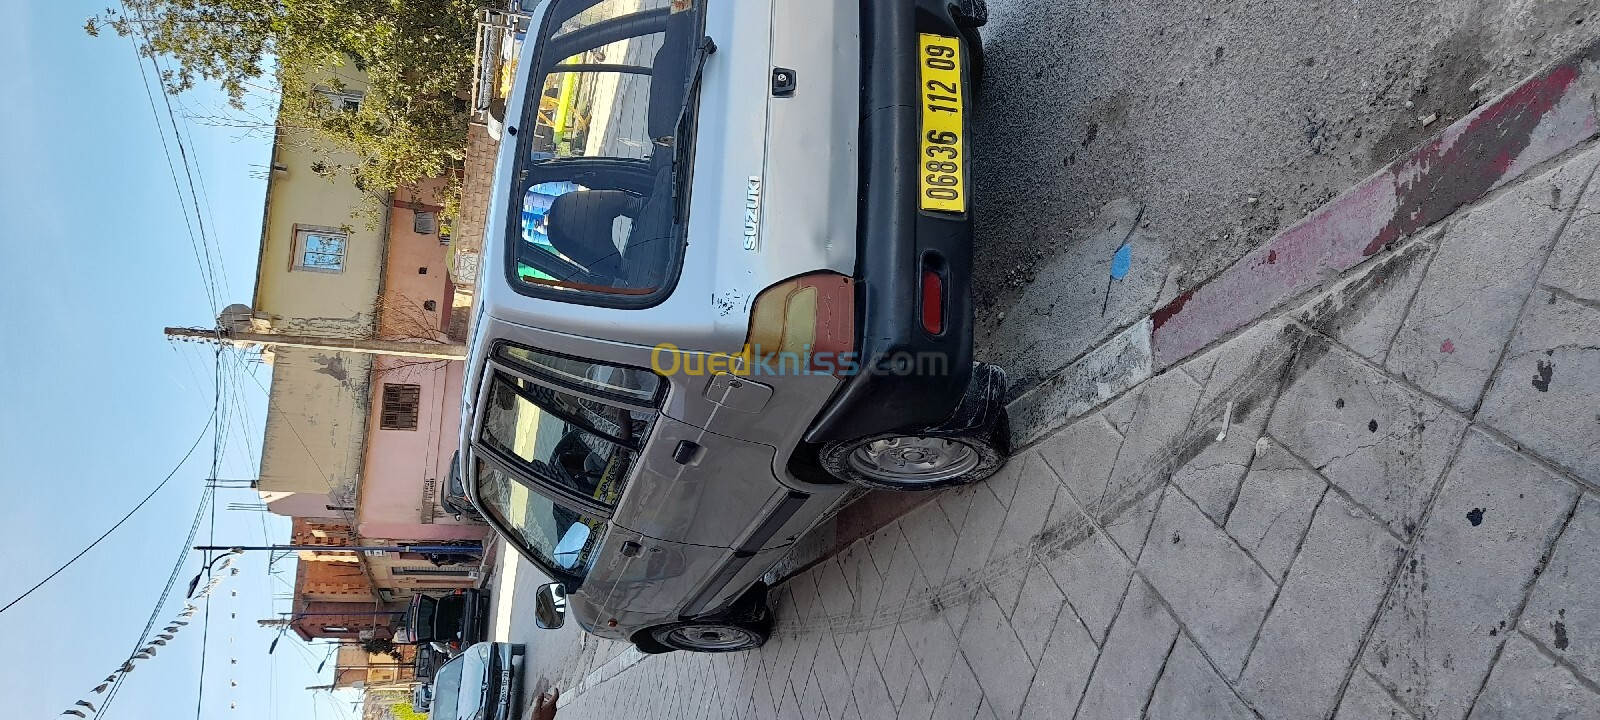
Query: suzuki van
x,y
726,279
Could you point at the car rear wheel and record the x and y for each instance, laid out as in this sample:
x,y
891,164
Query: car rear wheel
x,y
710,636
918,462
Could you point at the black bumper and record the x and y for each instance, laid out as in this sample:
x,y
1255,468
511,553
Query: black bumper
x,y
910,379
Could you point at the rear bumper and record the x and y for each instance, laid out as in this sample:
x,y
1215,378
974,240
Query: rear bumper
x,y
909,378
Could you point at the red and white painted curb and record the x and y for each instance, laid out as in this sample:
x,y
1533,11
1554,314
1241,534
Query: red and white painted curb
x,y
1539,119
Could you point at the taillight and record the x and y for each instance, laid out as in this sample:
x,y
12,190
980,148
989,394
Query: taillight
x,y
932,302
810,319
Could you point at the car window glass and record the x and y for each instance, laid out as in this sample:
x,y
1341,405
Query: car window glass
x,y
632,384
609,86
540,527
446,688
556,450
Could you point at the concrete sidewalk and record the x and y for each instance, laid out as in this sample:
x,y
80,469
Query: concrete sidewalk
x,y
1378,500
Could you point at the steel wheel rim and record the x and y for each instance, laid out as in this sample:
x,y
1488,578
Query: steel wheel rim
x,y
915,460
711,637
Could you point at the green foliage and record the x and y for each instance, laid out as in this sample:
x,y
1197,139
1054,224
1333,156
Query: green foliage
x,y
403,711
416,56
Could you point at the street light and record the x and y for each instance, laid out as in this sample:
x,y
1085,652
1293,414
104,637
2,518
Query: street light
x,y
195,583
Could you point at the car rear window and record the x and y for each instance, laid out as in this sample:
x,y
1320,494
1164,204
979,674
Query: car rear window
x,y
595,212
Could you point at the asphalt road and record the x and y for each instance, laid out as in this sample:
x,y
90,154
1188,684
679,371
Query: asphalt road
x,y
1215,123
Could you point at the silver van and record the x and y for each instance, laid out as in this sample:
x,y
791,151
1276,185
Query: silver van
x,y
726,280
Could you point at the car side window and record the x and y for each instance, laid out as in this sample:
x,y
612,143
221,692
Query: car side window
x,y
561,440
628,384
555,535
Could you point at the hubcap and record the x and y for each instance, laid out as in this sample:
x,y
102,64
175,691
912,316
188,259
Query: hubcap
x,y
915,459
711,637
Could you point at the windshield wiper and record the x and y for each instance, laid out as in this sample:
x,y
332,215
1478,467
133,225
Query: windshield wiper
x,y
680,129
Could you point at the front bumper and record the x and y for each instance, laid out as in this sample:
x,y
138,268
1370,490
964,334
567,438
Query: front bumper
x,y
909,379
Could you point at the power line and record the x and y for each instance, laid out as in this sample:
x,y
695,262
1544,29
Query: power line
x,y
124,519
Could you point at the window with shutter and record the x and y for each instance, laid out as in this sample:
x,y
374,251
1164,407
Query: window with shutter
x,y
400,406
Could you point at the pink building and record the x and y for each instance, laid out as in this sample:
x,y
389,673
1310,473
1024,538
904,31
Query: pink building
x,y
416,404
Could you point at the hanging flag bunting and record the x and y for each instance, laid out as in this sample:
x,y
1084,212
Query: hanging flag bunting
x,y
171,630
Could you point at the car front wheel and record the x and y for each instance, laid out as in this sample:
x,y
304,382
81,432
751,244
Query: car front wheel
x,y
918,462
710,636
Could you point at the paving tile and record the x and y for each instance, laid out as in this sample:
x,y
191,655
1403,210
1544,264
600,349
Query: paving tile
x,y
969,564
1274,508
1213,586
1547,392
933,643
1364,312
897,664
1564,612
871,694
1311,638
881,546
892,599
1154,445
1131,662
1383,444
1038,605
765,705
812,704
994,653
917,703
850,710
1082,456
932,540
955,502
1526,684
1465,309
1364,699
959,695
788,706
833,589
1248,371
834,681
1086,565
1063,671
1130,526
1030,506
1571,266
1190,689
1496,517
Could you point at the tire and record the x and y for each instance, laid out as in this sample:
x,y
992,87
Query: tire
x,y
711,636
950,460
972,13
648,645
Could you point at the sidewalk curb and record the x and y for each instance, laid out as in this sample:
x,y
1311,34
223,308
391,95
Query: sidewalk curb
x,y
1529,124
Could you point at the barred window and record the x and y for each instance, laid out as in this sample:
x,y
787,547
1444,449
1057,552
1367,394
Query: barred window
x,y
400,406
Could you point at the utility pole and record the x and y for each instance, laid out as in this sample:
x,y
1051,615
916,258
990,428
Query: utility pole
x,y
395,348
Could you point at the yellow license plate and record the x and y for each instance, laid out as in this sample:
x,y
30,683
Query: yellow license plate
x,y
940,177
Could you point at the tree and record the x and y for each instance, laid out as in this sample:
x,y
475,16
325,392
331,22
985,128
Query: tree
x,y
381,646
409,124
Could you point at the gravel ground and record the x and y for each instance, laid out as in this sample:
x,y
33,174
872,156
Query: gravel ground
x,y
1214,125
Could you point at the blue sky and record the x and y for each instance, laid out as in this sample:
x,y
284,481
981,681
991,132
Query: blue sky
x,y
96,406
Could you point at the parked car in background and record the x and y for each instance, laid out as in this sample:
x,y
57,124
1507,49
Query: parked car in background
x,y
422,697
455,500
726,279
428,661
454,621
482,683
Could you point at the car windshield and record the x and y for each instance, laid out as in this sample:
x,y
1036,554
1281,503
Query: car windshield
x,y
549,533
592,215
583,447
446,688
421,625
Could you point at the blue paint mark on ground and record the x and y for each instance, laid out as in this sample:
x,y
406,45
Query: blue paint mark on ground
x,y
1122,262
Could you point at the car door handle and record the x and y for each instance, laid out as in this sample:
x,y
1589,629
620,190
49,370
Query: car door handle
x,y
630,548
684,453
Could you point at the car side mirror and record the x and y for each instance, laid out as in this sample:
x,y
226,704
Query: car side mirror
x,y
550,606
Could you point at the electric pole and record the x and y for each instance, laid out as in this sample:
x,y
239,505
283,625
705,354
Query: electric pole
x,y
396,348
